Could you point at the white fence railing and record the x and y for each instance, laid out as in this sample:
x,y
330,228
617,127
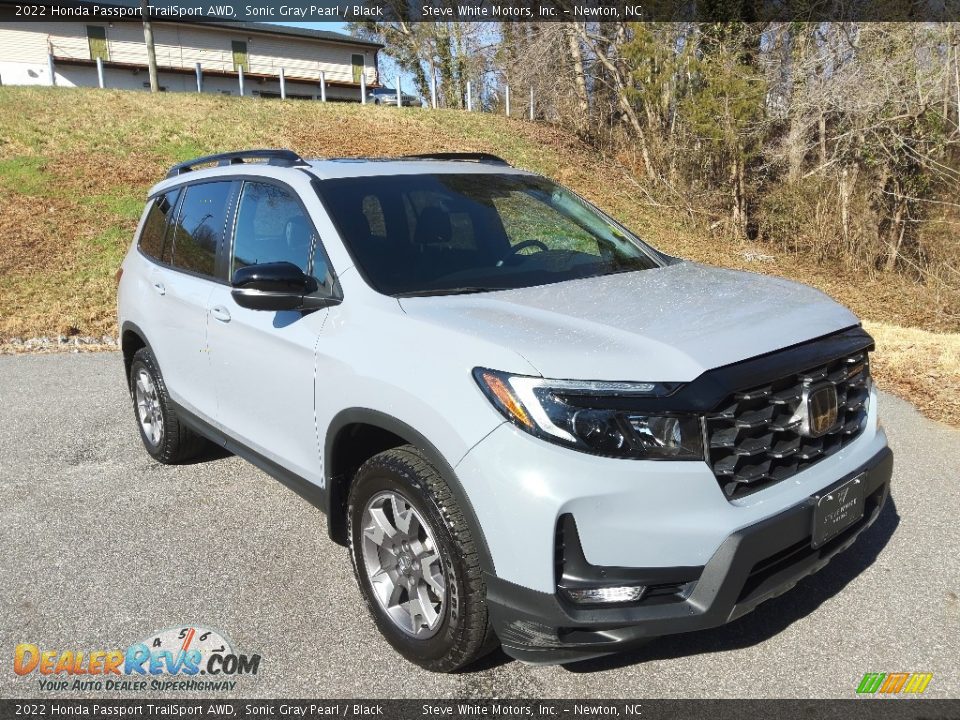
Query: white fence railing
x,y
220,61
199,60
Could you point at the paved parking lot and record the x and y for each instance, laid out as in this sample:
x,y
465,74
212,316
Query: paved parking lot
x,y
101,546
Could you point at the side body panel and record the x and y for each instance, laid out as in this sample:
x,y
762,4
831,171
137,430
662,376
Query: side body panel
x,y
177,310
263,372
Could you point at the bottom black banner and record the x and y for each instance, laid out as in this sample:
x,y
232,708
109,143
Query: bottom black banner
x,y
873,708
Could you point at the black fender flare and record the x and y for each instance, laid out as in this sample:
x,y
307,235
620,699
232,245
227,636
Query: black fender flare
x,y
130,326
334,487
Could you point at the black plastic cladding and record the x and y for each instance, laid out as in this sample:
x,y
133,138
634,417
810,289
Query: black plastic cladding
x,y
707,393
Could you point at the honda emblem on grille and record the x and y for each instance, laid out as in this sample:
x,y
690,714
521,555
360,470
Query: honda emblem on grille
x,y
820,403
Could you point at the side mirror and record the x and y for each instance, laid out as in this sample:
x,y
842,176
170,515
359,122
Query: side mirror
x,y
275,286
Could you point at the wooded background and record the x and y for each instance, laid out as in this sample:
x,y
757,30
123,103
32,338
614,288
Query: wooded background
x,y
836,139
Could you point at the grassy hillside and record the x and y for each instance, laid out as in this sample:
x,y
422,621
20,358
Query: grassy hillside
x,y
75,166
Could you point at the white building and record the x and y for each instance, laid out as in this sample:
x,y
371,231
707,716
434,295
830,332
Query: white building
x,y
31,51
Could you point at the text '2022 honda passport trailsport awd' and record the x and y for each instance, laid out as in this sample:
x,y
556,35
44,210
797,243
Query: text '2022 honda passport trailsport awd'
x,y
528,425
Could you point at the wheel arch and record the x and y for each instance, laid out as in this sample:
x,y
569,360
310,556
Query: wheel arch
x,y
383,432
132,338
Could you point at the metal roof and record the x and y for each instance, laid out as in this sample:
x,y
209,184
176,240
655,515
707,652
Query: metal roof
x,y
271,29
372,167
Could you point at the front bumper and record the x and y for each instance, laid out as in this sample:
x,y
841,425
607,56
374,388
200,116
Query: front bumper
x,y
752,565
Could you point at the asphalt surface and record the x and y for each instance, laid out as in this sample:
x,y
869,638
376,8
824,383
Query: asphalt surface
x,y
102,546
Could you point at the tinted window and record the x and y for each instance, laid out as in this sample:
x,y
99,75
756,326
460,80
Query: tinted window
x,y
272,227
155,227
199,228
447,233
374,215
529,223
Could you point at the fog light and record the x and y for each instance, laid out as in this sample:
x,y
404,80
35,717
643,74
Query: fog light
x,y
606,595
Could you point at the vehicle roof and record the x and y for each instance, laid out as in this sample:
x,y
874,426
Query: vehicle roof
x,y
343,168
368,167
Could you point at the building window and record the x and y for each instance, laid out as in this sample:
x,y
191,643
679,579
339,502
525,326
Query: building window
x,y
97,39
357,62
240,57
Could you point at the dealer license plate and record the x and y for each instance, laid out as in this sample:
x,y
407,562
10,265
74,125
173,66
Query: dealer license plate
x,y
837,510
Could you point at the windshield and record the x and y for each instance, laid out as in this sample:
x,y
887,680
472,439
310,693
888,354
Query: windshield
x,y
441,234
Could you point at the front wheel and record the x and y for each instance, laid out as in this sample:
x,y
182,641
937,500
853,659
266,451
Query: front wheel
x,y
416,562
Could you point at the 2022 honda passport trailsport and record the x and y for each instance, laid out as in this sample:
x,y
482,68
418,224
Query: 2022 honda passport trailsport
x,y
527,425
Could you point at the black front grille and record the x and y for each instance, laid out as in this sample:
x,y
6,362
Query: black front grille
x,y
755,439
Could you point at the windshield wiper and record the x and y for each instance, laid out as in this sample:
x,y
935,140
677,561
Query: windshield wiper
x,y
448,291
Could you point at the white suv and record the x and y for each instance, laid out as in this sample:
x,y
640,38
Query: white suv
x,y
528,425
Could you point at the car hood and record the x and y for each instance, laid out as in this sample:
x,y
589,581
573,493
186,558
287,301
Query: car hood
x,y
665,324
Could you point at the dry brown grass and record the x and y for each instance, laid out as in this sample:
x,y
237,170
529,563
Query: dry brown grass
x,y
920,366
72,184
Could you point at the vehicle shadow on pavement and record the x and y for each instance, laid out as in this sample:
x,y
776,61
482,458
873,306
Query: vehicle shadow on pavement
x,y
211,451
770,618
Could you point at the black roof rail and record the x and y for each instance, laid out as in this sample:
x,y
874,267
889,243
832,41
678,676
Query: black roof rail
x,y
284,158
462,156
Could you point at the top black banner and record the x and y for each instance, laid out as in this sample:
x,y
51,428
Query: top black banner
x,y
581,11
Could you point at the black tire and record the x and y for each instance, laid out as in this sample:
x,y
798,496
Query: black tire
x,y
176,443
464,633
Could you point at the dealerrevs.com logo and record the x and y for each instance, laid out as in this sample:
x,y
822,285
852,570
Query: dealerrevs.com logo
x,y
894,684
182,658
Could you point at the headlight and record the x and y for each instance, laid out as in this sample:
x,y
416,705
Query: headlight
x,y
574,413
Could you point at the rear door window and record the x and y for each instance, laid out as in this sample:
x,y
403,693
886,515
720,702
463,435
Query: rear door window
x,y
200,226
155,227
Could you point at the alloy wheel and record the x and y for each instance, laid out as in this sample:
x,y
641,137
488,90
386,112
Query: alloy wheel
x,y
403,564
149,411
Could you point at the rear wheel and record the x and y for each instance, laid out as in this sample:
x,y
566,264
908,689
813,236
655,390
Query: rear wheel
x,y
164,436
416,562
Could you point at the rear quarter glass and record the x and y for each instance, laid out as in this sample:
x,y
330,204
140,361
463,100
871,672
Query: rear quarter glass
x,y
155,227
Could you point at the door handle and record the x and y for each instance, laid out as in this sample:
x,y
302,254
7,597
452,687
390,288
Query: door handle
x,y
220,313
160,288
